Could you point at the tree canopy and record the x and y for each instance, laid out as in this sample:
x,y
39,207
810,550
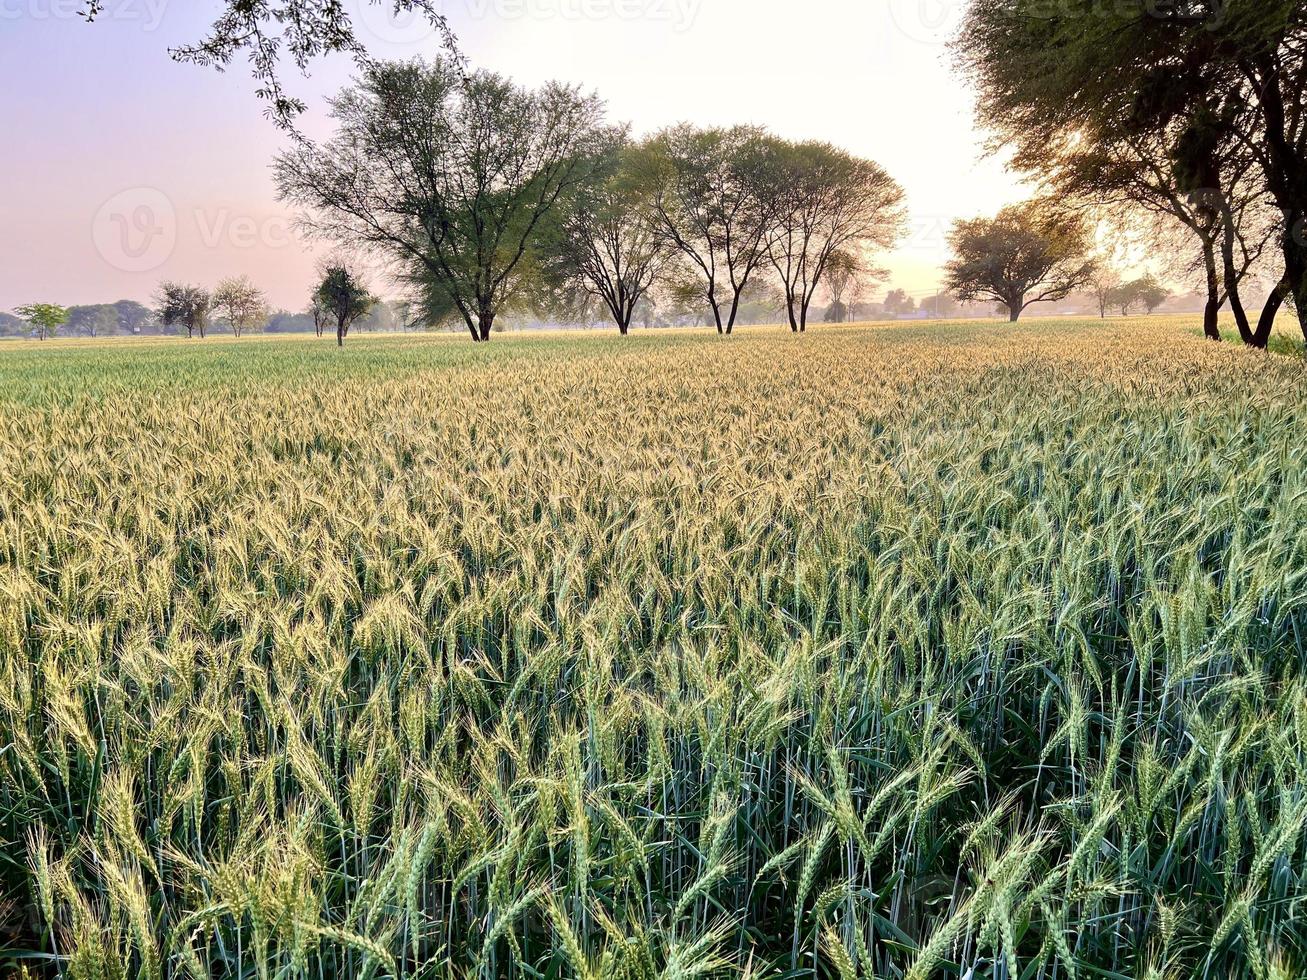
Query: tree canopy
x,y
342,298
1030,253
714,197
1220,88
612,245
184,305
240,303
456,178
828,203
45,317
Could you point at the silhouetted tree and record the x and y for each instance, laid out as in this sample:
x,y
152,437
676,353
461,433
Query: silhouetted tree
x,y
898,303
1217,86
241,303
457,179
715,193
179,304
301,29
846,278
1028,254
344,298
1103,284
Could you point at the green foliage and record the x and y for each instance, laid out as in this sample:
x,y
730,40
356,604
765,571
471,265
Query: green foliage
x,y
1194,108
1029,253
342,297
300,29
1145,292
241,304
611,248
458,178
46,317
100,320
186,306
920,655
714,196
828,205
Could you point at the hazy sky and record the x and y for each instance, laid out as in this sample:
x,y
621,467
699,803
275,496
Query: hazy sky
x,y
120,168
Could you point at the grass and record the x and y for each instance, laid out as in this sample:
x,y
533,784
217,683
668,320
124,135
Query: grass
x,y
915,651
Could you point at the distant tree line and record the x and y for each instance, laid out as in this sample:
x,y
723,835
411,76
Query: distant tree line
x,y
177,304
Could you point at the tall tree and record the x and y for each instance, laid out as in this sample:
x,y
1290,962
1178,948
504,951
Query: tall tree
x,y
343,297
458,179
1202,75
1030,253
1141,181
1151,293
899,303
184,305
847,275
1125,296
1104,284
827,202
133,317
612,242
715,193
93,321
240,303
319,312
47,318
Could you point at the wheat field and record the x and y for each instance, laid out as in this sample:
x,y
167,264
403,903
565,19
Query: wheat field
x,y
929,651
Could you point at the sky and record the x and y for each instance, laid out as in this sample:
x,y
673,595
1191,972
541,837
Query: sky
x,y
121,168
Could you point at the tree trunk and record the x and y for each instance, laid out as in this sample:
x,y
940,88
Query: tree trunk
x,y
1212,314
1232,279
795,319
1266,324
735,309
1295,266
485,321
1286,176
1014,313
